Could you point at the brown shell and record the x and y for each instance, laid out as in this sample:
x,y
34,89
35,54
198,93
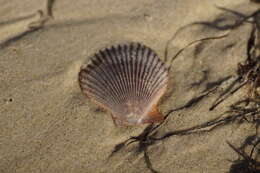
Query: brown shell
x,y
128,80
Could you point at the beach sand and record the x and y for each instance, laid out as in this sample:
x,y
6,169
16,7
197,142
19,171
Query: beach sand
x,y
48,125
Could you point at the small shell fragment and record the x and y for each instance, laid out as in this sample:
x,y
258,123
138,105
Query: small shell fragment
x,y
127,80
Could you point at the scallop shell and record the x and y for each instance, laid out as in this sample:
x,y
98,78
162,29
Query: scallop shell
x,y
128,80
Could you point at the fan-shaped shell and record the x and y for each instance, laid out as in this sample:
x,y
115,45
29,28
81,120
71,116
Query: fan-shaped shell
x,y
127,80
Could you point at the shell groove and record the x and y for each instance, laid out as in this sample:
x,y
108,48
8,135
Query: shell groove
x,y
128,80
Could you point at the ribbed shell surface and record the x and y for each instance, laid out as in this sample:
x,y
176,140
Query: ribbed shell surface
x,y
127,79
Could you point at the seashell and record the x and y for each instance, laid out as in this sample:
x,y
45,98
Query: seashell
x,y
127,80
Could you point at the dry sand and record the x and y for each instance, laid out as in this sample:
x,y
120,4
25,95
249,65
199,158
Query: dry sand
x,y
47,125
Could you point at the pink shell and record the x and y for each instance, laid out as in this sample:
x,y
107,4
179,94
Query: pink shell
x,y
128,80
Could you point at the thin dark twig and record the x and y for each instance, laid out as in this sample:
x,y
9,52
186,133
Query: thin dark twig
x,y
241,153
220,100
148,162
247,164
189,104
191,43
212,123
171,39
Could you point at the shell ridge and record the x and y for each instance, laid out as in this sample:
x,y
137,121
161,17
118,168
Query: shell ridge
x,y
136,81
141,73
127,72
152,76
105,76
92,92
97,94
155,75
115,75
145,60
110,78
118,69
138,62
157,87
96,61
150,65
159,78
101,81
131,65
121,53
104,88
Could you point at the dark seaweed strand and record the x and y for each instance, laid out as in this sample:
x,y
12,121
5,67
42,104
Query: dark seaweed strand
x,y
131,65
115,70
121,55
119,69
126,51
144,68
110,78
106,76
148,71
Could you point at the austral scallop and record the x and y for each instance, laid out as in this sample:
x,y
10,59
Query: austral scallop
x,y
127,80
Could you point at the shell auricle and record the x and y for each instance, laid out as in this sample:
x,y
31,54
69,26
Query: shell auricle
x,y
127,80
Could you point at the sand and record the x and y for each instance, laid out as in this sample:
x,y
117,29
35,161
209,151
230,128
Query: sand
x,y
48,125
